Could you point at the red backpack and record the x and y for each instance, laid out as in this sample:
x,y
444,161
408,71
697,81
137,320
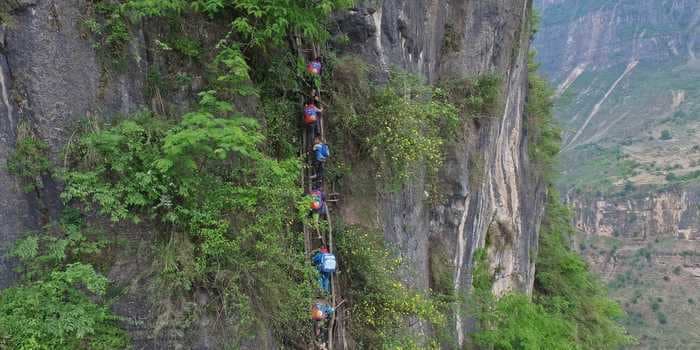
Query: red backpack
x,y
314,67
317,200
310,114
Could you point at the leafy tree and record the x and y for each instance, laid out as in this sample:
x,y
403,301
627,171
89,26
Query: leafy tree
x,y
402,125
58,313
205,180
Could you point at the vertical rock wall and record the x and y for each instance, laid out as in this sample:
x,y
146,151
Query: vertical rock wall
x,y
489,184
672,213
50,78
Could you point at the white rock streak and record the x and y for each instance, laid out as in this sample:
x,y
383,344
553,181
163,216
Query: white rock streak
x,y
4,82
458,262
596,108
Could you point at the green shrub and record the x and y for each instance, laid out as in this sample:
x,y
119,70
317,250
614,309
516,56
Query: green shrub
x,y
64,294
517,323
187,47
402,126
655,306
29,161
61,244
58,312
477,96
380,305
205,180
661,317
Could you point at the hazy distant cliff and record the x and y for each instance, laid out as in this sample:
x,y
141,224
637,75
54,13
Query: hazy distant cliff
x,y
626,74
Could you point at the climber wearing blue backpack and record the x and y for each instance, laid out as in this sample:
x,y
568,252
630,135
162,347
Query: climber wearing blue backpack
x,y
321,152
326,265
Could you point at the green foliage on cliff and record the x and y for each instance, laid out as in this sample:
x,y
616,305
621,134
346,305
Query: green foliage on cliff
x,y
475,96
515,322
544,133
29,161
569,309
222,194
259,23
564,284
381,306
402,125
58,312
205,178
230,212
59,302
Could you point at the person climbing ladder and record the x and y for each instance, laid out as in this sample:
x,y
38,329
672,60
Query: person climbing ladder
x,y
322,258
325,264
314,66
311,118
321,310
321,152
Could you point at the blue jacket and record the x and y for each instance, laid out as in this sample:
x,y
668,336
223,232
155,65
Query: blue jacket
x,y
317,259
325,308
321,151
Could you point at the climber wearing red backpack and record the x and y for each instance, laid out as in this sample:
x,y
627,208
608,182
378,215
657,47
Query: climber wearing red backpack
x,y
318,202
314,66
325,264
311,117
321,311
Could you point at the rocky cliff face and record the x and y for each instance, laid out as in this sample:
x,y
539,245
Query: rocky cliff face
x,y
671,213
51,77
594,35
646,248
622,70
491,190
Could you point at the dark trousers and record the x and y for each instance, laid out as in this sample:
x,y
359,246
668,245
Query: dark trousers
x,y
313,130
324,280
318,167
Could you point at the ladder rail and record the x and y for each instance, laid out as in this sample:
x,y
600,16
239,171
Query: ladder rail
x,y
326,238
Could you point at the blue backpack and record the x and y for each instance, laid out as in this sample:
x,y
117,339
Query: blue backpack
x,y
328,263
322,152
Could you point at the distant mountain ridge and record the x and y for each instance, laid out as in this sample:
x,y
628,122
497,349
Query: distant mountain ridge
x,y
627,81
626,77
